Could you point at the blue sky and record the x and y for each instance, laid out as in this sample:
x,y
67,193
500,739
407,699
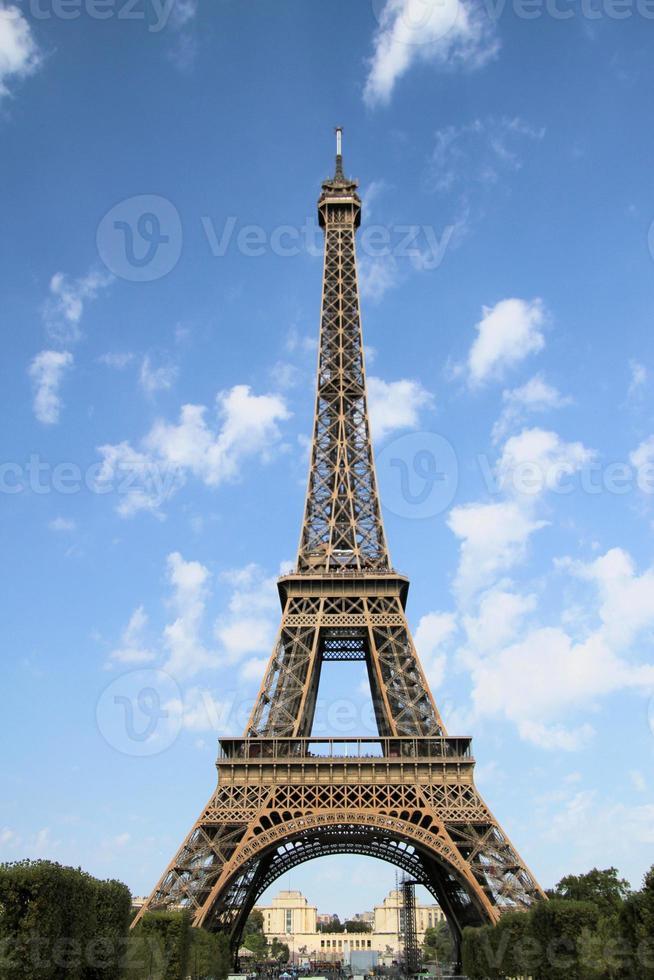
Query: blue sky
x,y
160,276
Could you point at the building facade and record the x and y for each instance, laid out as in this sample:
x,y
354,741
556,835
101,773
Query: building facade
x,y
290,919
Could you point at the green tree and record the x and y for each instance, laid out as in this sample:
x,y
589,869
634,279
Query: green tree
x,y
254,922
357,925
159,947
438,946
209,957
280,951
59,923
558,926
636,921
604,889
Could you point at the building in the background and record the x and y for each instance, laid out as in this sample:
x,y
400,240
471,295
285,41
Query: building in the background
x,y
289,914
389,916
290,919
368,918
326,919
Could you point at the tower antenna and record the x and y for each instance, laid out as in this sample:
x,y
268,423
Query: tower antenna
x,y
339,153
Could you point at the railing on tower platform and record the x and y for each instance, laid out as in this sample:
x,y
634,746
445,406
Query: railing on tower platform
x,y
373,749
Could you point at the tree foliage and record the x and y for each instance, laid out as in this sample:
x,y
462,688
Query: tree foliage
x,y
604,889
357,925
58,923
437,944
591,929
160,946
209,956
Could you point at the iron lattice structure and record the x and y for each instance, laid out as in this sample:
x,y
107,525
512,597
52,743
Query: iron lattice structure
x,y
406,796
410,933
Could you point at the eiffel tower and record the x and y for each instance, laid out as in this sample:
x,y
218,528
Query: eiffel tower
x,y
407,795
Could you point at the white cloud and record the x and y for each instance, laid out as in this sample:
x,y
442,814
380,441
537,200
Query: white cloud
x,y
132,649
434,631
19,53
186,654
248,427
536,395
507,333
499,615
251,621
545,674
62,524
642,459
626,598
478,152
537,460
47,371
444,32
183,11
639,378
538,676
493,537
377,275
153,378
201,711
116,359
63,310
395,404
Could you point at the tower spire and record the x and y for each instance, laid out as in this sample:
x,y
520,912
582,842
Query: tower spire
x,y
342,528
339,175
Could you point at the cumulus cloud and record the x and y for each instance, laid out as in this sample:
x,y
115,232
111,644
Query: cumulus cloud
x,y
395,404
247,426
447,33
182,638
494,537
132,648
499,616
47,371
506,334
536,395
248,628
535,676
19,52
64,308
433,633
537,460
